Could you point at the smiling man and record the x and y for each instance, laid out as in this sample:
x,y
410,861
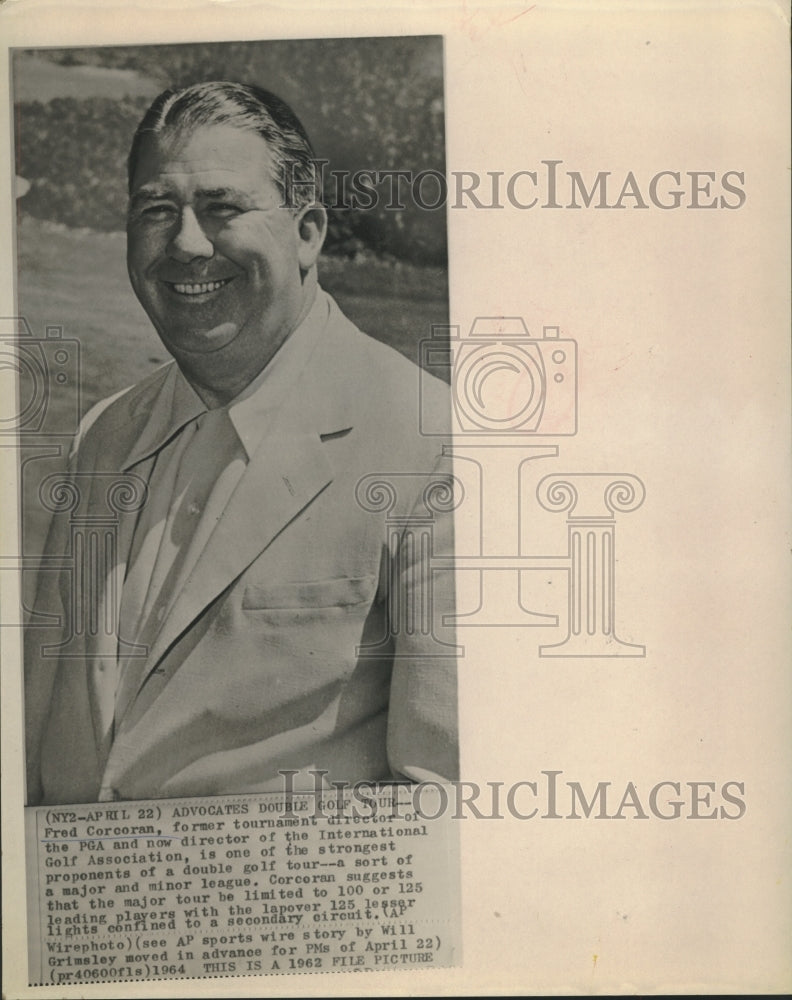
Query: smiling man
x,y
270,601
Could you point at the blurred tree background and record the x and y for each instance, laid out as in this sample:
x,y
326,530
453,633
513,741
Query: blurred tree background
x,y
368,103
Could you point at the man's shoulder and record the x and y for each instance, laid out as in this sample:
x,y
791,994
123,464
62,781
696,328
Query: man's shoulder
x,y
383,375
111,415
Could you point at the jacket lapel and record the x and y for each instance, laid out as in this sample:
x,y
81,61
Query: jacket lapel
x,y
281,479
129,438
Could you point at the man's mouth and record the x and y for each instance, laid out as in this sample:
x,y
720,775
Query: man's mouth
x,y
198,287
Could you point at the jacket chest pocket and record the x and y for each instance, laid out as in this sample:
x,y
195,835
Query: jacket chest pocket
x,y
308,595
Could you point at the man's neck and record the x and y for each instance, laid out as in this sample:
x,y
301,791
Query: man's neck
x,y
217,387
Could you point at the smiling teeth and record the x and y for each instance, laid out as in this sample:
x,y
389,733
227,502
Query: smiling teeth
x,y
200,289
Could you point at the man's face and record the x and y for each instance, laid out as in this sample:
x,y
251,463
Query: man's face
x,y
215,261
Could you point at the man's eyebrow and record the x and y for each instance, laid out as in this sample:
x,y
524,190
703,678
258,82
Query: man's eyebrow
x,y
148,194
222,192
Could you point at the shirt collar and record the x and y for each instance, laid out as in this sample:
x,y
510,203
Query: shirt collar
x,y
252,411
174,406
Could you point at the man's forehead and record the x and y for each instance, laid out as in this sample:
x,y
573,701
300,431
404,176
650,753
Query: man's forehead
x,y
209,151
167,167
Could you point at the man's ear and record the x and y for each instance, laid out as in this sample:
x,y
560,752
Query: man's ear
x,y
311,223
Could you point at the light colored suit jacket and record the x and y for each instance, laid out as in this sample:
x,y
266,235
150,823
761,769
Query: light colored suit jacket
x,y
308,636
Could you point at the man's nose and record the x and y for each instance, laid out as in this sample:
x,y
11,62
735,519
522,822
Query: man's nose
x,y
189,240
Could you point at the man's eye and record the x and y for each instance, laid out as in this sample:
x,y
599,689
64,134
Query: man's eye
x,y
156,212
223,208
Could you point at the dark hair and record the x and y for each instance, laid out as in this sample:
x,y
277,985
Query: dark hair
x,y
245,107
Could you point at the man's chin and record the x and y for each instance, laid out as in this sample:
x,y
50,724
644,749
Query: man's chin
x,y
192,341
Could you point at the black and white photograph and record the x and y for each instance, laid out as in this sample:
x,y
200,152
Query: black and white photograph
x,y
226,573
